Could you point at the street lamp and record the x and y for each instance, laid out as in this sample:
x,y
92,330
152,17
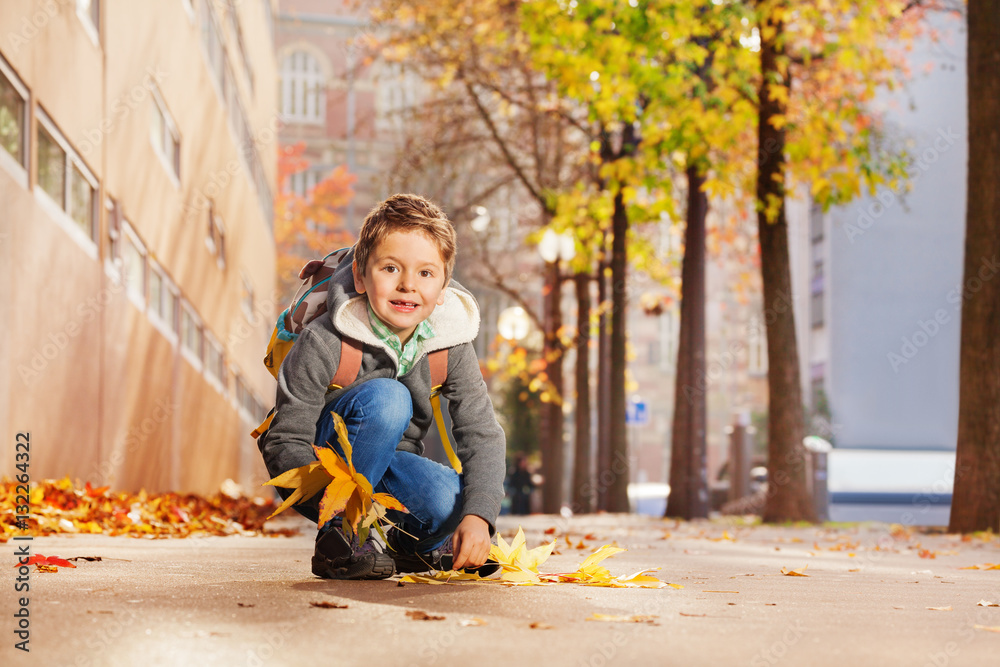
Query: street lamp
x,y
481,221
514,323
554,247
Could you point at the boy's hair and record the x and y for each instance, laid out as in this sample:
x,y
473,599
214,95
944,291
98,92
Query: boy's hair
x,y
406,212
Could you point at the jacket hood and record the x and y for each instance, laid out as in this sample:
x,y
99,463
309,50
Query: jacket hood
x,y
456,321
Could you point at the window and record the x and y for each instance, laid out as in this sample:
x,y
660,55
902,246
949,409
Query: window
x,y
816,295
191,334
250,408
215,362
51,166
247,300
13,114
89,12
216,238
134,267
164,137
163,301
816,222
234,26
303,89
114,256
65,179
302,183
211,43
81,201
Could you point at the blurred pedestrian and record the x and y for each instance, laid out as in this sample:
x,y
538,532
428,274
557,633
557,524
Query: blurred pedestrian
x,y
520,486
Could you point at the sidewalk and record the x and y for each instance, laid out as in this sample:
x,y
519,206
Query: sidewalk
x,y
246,601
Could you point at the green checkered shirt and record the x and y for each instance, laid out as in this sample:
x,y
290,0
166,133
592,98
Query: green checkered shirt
x,y
407,354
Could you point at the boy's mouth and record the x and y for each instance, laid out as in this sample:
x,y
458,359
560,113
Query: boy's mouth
x,y
404,306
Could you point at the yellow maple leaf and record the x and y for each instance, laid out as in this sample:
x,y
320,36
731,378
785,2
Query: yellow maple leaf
x,y
346,492
520,564
801,572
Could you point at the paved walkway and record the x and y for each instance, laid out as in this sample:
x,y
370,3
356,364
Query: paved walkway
x,y
246,601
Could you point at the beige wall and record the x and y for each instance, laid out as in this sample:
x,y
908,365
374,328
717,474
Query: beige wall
x,y
111,398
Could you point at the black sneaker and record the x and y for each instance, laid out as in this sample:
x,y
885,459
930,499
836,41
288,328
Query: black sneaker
x,y
336,558
436,559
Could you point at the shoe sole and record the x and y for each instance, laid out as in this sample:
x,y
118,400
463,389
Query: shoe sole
x,y
377,568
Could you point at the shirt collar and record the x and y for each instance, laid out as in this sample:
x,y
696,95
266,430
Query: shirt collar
x,y
423,332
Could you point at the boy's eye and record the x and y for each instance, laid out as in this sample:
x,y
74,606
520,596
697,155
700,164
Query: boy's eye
x,y
427,274
389,268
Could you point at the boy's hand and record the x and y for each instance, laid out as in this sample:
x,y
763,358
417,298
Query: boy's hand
x,y
471,542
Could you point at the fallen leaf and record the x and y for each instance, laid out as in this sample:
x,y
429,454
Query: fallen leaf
x,y
611,618
855,569
720,591
550,531
538,625
40,561
801,572
96,493
472,622
519,564
325,605
984,566
87,558
924,553
984,603
242,604
695,615
418,615
988,628
948,608
443,577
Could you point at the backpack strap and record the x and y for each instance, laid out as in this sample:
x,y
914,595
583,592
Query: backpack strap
x,y
438,361
350,363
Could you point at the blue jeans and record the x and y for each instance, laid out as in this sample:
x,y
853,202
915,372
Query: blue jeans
x,y
376,413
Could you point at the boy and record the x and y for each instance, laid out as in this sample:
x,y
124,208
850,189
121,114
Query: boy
x,y
393,293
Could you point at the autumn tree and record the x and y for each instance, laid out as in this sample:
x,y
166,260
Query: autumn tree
x,y
976,498
307,227
491,119
660,80
821,64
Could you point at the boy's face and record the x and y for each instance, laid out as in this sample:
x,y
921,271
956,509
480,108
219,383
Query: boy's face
x,y
404,281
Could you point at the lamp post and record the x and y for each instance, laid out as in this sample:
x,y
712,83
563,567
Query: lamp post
x,y
553,248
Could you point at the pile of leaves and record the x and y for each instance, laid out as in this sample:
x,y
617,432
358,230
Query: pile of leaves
x,y
60,506
519,567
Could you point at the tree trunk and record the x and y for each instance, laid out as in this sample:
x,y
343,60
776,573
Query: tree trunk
x,y
788,498
552,456
976,498
583,487
603,471
618,489
688,478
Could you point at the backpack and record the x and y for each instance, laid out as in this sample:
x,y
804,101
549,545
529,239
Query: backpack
x,y
309,303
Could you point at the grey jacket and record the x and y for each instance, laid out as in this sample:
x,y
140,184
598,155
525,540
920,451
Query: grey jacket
x,y
312,362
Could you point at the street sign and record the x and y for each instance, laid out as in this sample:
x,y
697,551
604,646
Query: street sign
x,y
636,413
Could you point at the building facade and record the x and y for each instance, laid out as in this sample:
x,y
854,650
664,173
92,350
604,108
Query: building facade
x,y
136,244
346,106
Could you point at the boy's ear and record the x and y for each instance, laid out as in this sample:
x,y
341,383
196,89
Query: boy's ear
x,y
440,299
359,285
